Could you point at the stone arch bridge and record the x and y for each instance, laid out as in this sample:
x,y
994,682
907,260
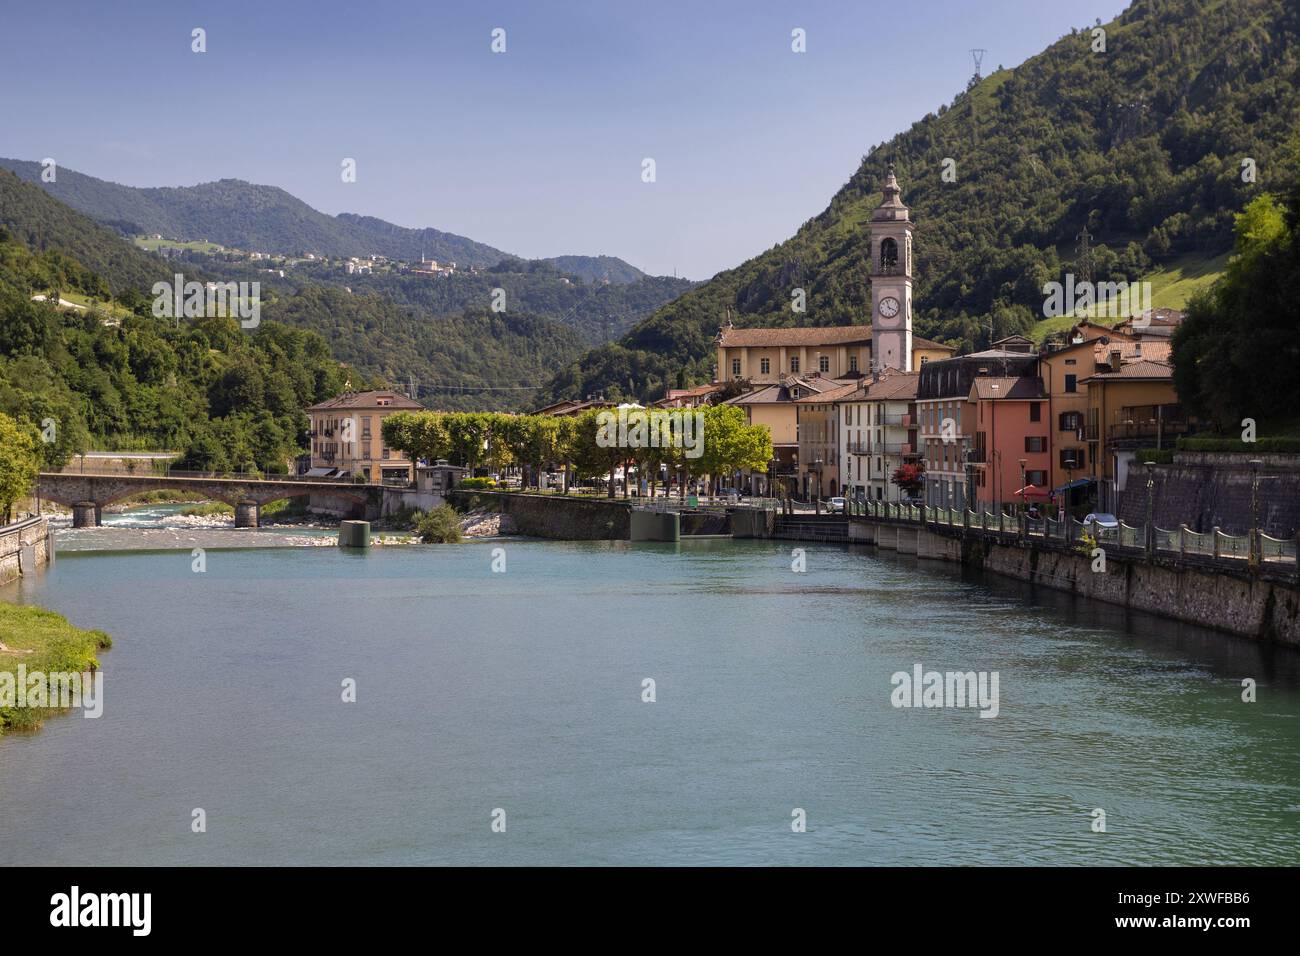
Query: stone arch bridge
x,y
87,495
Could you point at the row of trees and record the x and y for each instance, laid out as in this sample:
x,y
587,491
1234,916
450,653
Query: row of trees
x,y
588,445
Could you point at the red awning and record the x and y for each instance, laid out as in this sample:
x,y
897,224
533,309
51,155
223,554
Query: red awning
x,y
1032,491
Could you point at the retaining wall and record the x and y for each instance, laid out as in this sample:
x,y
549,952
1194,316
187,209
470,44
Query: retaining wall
x,y
24,546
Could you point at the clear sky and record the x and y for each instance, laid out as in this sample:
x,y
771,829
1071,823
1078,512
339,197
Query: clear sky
x,y
538,150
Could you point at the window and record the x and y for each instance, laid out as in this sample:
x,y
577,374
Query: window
x,y
824,364
1071,361
794,363
924,359
385,453
1071,458
1038,478
853,363
1035,444
1071,383
765,365
735,367
1071,421
365,426
1035,411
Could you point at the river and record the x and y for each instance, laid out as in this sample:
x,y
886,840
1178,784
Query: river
x,y
480,691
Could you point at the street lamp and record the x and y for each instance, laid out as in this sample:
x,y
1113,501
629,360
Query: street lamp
x,y
1151,499
1255,465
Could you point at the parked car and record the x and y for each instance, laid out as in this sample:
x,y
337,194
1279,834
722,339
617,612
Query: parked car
x,y
731,494
834,505
1106,522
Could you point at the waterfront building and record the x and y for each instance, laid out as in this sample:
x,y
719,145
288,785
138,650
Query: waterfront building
x,y
818,429
1008,419
346,439
1131,405
945,424
775,406
878,434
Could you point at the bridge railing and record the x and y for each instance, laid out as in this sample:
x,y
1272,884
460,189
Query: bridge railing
x,y
208,475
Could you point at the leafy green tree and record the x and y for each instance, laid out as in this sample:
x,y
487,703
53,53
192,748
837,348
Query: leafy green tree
x,y
1236,353
20,462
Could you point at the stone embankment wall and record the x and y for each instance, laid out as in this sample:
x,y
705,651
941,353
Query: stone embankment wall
x,y
549,516
1232,601
1208,490
24,547
1264,607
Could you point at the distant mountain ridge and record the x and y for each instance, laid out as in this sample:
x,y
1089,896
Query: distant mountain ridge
x,y
260,218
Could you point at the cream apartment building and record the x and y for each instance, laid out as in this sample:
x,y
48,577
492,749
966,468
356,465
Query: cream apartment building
x,y
878,434
346,438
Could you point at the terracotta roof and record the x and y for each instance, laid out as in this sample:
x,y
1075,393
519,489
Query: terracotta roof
x,y
1144,370
832,395
779,392
365,400
809,336
1133,351
988,387
896,386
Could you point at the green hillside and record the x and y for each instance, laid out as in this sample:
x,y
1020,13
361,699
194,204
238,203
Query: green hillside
x,y
474,361
42,223
1142,144
1172,286
226,397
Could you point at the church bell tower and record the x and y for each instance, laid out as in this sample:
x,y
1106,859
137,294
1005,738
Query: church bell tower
x,y
891,281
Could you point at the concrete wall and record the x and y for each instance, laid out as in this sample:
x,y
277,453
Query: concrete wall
x,y
544,516
24,547
1229,600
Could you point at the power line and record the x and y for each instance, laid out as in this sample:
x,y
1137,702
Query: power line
x,y
478,388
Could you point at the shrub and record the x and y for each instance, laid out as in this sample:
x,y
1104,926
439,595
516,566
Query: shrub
x,y
476,484
1161,456
1275,444
440,526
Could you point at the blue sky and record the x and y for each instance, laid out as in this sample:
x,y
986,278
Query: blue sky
x,y
537,151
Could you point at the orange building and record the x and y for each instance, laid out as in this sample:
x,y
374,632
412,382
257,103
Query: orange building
x,y
1008,420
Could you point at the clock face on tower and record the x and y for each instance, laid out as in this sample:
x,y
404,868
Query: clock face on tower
x,y
889,307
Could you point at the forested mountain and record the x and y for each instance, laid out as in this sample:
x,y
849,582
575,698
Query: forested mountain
x,y
248,216
225,396
1146,145
42,223
597,268
479,360
595,312
256,218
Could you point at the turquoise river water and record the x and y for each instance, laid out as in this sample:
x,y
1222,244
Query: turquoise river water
x,y
479,691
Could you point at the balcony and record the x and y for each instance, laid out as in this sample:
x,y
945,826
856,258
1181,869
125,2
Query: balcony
x,y
1148,429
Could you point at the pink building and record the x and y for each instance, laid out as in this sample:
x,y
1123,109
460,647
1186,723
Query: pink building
x,y
1008,420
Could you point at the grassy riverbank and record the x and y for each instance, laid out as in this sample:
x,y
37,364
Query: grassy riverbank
x,y
46,642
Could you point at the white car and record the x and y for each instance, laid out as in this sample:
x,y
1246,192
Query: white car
x,y
834,504
1104,521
